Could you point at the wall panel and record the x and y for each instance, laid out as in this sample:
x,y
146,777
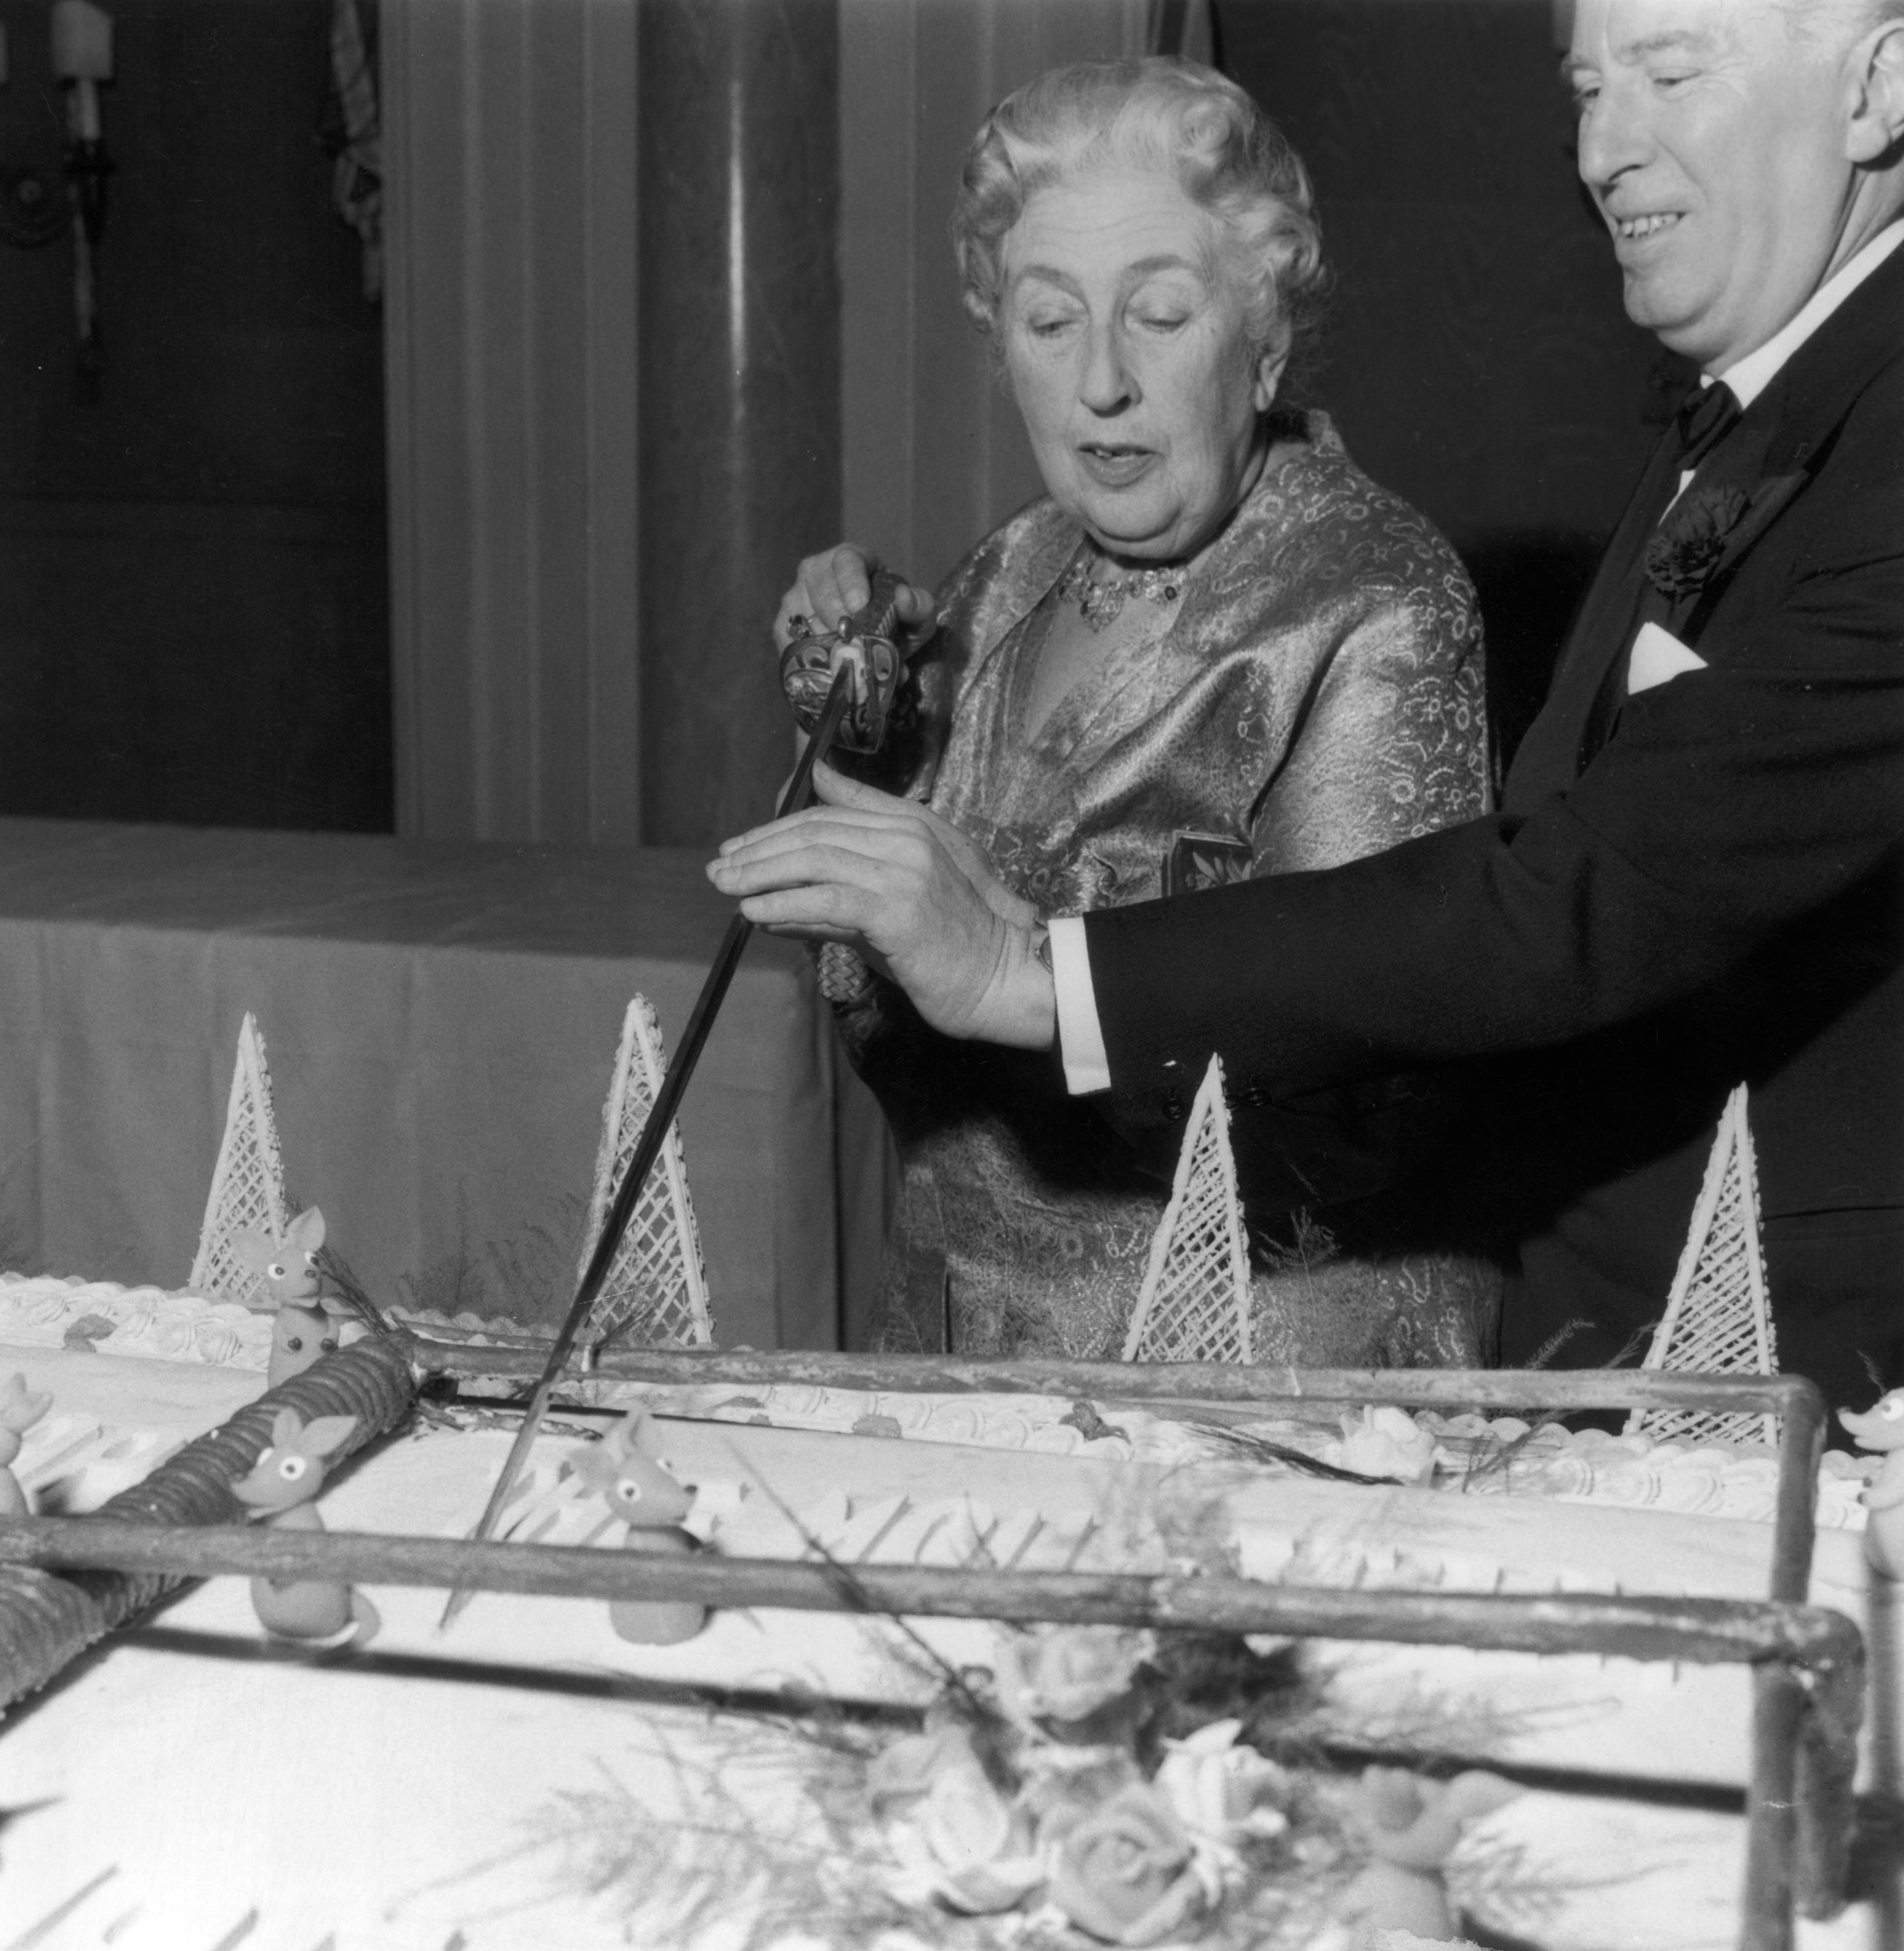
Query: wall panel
x,y
193,595
511,349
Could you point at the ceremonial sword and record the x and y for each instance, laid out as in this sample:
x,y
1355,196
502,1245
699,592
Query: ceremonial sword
x,y
860,678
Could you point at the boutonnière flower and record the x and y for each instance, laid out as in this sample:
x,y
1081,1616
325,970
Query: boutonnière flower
x,y
1691,539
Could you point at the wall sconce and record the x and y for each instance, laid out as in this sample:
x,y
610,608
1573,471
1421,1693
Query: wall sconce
x,y
31,211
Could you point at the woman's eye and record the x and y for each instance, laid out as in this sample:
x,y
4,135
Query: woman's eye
x,y
1163,321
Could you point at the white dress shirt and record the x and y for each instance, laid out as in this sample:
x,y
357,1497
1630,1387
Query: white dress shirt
x,y
1081,1038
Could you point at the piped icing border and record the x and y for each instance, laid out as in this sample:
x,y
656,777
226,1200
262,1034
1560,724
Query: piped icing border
x,y
1469,1454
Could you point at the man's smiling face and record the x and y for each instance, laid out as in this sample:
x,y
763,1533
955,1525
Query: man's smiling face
x,y
1712,138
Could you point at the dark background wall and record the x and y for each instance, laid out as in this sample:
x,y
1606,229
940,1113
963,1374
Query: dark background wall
x,y
193,612
1476,357
194,615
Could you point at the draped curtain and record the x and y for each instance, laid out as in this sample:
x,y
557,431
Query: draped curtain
x,y
511,369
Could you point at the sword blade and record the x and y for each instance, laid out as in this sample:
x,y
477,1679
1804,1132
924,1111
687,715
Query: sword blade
x,y
654,1132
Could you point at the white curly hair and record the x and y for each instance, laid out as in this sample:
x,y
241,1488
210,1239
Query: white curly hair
x,y
1159,112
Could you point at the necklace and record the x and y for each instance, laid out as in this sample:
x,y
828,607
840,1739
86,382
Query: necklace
x,y
1102,600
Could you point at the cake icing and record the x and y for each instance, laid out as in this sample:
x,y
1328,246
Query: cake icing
x,y
1468,1455
170,1324
1473,1454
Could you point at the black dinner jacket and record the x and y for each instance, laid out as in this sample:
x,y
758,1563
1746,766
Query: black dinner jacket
x,y
1712,896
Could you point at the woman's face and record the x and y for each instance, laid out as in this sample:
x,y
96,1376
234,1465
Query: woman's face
x,y
1125,342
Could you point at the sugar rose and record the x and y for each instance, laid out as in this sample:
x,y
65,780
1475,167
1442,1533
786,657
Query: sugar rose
x,y
1384,1441
1228,1793
1070,1674
902,1773
1127,1872
955,1838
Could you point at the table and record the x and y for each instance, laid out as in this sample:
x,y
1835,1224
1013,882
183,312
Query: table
x,y
442,1021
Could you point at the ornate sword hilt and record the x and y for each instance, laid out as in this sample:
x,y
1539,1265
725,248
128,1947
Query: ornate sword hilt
x,y
866,643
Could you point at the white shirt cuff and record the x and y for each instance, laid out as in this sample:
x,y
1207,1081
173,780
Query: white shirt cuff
x,y
1080,1041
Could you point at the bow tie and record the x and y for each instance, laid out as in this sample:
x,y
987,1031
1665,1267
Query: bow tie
x,y
1706,416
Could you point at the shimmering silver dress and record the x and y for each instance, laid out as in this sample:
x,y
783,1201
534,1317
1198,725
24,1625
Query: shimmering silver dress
x,y
1315,695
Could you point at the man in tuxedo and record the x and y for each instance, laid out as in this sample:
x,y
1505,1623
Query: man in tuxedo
x,y
1697,877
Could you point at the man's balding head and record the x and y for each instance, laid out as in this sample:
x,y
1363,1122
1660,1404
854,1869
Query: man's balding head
x,y
1841,22
1740,152
1838,24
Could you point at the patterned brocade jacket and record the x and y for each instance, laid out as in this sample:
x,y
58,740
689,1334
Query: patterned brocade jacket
x,y
1316,694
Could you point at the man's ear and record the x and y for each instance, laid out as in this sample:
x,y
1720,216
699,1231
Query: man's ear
x,y
1875,72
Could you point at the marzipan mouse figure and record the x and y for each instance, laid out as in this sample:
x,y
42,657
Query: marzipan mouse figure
x,y
19,1409
1411,1824
289,1472
1881,1429
302,1331
639,1488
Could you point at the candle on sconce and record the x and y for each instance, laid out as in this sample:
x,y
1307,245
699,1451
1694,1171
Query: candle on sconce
x,y
82,59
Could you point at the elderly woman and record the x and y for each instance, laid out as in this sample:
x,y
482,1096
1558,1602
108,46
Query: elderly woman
x,y
1215,648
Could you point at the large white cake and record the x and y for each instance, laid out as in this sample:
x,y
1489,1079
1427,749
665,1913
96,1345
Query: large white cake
x,y
529,1779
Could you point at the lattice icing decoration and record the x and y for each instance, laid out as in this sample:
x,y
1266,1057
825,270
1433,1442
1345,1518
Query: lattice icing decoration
x,y
656,1292
247,1182
1718,1315
1195,1303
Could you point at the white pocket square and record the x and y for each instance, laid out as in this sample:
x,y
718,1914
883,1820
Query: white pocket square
x,y
1658,656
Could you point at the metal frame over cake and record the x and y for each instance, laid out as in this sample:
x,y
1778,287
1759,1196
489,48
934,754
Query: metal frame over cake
x,y
1807,1663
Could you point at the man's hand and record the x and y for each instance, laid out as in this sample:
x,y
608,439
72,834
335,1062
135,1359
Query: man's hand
x,y
833,585
913,894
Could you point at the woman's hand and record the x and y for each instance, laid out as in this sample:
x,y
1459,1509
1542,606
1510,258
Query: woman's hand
x,y
831,586
910,891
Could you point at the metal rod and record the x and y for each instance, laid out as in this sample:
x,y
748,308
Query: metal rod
x,y
1258,1386
1701,1630
654,1133
1778,1708
1801,1448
